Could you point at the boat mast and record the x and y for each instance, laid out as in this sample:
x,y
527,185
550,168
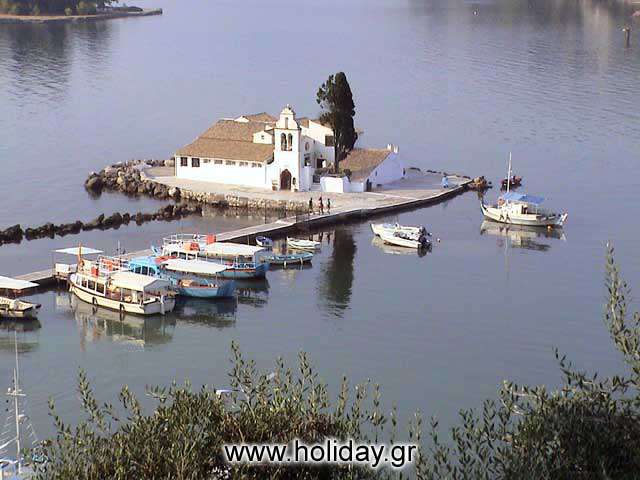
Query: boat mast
x,y
509,174
16,393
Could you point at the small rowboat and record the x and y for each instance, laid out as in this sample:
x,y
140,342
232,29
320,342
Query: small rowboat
x,y
404,240
301,244
13,308
264,242
291,259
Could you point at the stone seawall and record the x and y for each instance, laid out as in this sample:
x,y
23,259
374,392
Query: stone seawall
x,y
129,178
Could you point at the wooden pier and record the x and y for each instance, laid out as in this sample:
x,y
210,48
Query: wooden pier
x,y
279,228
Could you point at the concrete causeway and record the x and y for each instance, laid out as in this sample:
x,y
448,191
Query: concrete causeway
x,y
413,192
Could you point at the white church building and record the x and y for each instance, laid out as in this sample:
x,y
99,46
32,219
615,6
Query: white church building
x,y
281,153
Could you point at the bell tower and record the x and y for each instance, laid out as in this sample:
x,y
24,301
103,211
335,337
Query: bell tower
x,y
287,153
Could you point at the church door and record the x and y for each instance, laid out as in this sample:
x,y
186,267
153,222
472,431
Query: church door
x,y
285,180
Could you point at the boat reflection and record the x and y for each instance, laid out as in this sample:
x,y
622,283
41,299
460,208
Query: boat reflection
x,y
217,314
520,236
254,292
395,250
97,323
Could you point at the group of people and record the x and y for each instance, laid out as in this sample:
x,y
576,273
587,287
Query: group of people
x,y
320,205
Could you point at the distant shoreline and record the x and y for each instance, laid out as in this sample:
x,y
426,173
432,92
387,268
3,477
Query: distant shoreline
x,y
38,19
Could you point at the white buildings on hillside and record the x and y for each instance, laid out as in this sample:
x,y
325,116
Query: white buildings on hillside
x,y
280,154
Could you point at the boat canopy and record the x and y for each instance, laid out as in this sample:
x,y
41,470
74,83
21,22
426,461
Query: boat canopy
x,y
78,250
139,283
148,261
7,283
193,266
522,197
224,249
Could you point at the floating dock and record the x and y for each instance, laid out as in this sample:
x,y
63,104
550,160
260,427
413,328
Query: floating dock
x,y
389,201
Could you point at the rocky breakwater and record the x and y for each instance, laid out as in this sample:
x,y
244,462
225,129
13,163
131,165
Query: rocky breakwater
x,y
16,233
130,179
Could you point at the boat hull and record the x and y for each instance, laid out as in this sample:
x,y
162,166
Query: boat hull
x,y
285,260
402,242
390,229
531,220
259,271
223,291
147,308
298,244
30,313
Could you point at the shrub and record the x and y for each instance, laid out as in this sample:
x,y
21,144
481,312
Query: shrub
x,y
68,11
86,8
183,437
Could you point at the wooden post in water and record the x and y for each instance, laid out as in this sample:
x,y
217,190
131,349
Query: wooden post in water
x,y
627,35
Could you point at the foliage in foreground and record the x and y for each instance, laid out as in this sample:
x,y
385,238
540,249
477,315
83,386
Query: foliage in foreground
x,y
589,429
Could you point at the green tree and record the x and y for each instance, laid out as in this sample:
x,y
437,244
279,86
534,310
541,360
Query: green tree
x,y
336,101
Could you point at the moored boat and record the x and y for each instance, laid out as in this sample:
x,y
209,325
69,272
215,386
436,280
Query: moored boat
x,y
391,228
105,283
240,260
190,278
405,240
265,242
302,244
289,259
15,308
522,209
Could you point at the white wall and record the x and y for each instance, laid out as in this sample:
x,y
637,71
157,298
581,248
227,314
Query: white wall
x,y
334,184
390,170
223,173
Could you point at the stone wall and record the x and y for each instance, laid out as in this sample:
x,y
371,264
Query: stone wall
x,y
129,178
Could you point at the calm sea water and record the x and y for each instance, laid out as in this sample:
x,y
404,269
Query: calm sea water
x,y
456,84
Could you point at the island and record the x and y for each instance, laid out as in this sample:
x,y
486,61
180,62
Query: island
x,y
55,11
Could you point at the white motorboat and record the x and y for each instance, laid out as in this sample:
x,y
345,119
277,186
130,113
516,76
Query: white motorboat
x,y
106,283
14,308
391,228
522,209
302,244
405,240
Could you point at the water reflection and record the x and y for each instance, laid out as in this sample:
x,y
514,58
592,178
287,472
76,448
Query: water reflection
x,y
338,273
26,341
41,56
253,292
96,324
520,236
395,250
217,314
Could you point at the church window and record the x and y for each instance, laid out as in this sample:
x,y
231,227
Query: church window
x,y
290,142
328,140
229,162
283,142
184,162
243,164
255,165
205,160
217,162
195,162
306,146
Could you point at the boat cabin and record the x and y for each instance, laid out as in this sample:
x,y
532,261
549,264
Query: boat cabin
x,y
122,286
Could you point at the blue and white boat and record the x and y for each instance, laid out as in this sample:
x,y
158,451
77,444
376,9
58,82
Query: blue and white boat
x,y
265,242
187,277
240,261
288,260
